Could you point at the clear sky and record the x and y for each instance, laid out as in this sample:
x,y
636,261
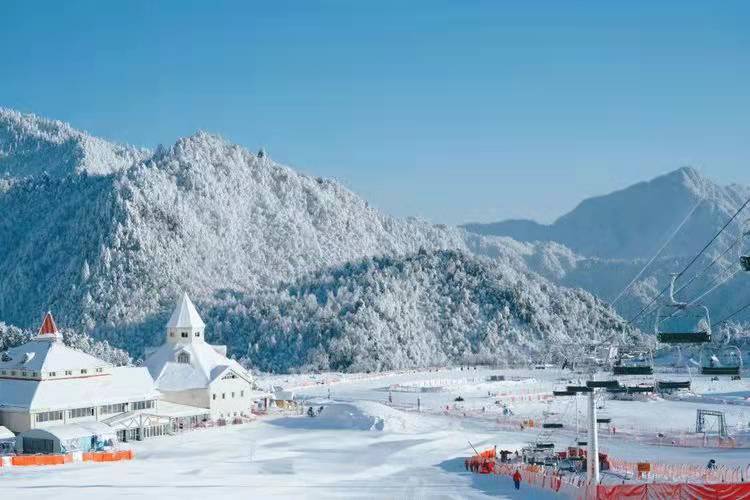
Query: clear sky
x,y
453,111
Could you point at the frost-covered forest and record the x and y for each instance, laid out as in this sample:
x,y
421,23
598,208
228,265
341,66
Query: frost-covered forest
x,y
290,270
425,309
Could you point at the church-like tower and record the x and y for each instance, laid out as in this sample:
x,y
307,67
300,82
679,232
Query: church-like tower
x,y
185,326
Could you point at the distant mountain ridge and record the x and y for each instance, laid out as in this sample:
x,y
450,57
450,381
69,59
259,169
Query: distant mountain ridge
x,y
106,236
605,241
632,223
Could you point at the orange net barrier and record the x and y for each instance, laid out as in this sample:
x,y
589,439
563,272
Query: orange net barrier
x,y
684,491
99,456
26,460
108,456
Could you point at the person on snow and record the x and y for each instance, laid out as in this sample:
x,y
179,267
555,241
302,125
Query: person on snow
x,y
711,464
517,479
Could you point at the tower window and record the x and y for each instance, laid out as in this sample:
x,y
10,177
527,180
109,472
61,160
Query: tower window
x,y
171,334
184,335
183,357
197,334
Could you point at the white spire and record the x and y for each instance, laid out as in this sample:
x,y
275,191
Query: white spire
x,y
185,315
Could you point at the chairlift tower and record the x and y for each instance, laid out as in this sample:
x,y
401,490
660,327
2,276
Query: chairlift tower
x,y
592,461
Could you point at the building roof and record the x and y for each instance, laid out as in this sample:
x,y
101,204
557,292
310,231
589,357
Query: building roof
x,y
185,315
123,384
206,365
5,433
40,355
49,328
68,432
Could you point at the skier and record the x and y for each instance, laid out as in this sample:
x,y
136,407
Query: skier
x,y
517,479
711,464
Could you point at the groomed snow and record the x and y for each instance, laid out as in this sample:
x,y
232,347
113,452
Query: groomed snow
x,y
361,446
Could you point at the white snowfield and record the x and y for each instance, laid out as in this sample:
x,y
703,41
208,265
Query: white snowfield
x,y
364,446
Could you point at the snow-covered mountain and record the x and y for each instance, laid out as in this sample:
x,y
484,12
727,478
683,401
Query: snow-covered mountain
x,y
633,222
603,243
31,145
107,235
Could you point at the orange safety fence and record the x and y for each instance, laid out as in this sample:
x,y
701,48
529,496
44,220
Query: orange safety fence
x,y
683,491
109,456
26,460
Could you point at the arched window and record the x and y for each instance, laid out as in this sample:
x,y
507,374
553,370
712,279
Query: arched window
x,y
183,357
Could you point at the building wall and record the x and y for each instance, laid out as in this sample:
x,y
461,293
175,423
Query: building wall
x,y
223,404
190,397
15,422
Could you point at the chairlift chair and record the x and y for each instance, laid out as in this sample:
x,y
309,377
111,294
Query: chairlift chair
x,y
641,364
726,360
682,323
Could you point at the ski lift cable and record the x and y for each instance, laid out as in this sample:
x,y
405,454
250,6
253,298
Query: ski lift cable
x,y
692,261
717,285
714,261
659,251
713,285
735,313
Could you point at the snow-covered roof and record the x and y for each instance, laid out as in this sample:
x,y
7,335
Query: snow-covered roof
x,y
185,315
40,355
68,432
123,384
5,433
206,364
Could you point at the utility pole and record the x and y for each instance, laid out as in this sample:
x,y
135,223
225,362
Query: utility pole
x,y
592,462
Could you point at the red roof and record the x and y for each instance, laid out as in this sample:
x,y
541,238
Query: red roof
x,y
48,325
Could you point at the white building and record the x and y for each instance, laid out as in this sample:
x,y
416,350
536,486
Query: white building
x,y
46,384
189,371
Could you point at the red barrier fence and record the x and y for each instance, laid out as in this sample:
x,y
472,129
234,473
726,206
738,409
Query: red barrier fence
x,y
96,456
675,491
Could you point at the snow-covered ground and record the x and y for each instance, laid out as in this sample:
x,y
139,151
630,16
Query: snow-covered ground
x,y
364,445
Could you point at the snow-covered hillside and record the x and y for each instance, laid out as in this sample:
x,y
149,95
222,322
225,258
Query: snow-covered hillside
x,y
424,309
31,145
108,253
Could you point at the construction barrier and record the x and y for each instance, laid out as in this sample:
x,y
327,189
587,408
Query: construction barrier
x,y
108,456
36,460
684,491
27,460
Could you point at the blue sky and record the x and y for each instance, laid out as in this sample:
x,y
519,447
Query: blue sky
x,y
452,111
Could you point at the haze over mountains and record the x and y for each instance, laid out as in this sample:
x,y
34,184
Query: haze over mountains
x,y
603,243
106,236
